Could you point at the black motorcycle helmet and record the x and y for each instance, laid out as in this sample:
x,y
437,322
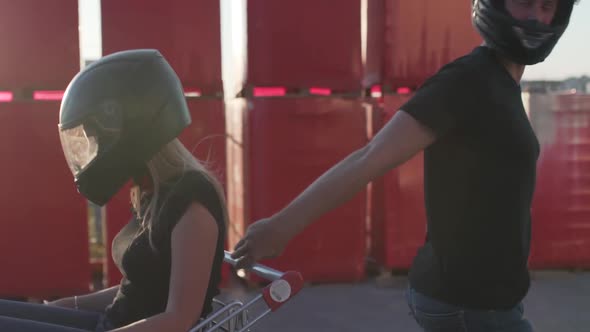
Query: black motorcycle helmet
x,y
523,42
115,115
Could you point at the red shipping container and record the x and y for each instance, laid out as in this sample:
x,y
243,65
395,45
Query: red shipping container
x,y
302,44
282,145
561,206
44,238
205,137
39,44
398,216
186,32
549,176
423,35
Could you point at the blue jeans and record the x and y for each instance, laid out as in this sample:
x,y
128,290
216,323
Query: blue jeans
x,y
30,317
436,316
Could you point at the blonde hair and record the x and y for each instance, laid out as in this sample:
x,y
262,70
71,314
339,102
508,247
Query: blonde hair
x,y
172,160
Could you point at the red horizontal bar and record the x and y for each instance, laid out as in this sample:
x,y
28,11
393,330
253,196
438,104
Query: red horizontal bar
x,y
269,91
403,90
6,96
48,95
320,91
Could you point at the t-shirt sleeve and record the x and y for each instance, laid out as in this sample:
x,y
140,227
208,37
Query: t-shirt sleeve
x,y
441,102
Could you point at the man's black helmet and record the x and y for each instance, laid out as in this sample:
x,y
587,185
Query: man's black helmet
x,y
523,42
115,115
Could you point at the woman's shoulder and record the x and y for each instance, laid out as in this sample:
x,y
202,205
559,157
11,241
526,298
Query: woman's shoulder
x,y
194,187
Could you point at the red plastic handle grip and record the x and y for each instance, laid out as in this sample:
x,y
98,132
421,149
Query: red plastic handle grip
x,y
282,290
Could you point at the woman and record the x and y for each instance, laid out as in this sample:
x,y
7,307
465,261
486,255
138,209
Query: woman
x,y
119,120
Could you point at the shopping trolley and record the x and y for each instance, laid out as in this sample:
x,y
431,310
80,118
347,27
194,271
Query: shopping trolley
x,y
236,316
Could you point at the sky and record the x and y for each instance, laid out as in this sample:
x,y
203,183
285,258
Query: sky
x,y
571,56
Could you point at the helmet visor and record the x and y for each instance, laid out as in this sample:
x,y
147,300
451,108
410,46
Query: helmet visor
x,y
85,142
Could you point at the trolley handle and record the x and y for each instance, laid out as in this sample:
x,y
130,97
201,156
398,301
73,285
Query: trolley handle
x,y
260,270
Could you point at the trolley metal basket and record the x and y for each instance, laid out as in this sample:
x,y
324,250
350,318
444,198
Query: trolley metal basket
x,y
237,316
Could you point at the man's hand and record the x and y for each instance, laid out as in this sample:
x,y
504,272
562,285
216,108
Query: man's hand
x,y
264,239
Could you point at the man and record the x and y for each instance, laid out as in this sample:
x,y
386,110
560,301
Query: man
x,y
480,156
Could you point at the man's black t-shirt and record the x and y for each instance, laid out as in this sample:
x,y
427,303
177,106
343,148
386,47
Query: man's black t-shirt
x,y
479,181
144,288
